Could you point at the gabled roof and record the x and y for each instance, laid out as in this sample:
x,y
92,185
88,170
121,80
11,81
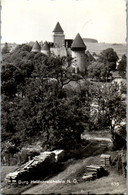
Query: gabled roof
x,y
58,28
36,46
78,43
45,46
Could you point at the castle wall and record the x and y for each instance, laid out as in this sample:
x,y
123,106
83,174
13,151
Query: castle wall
x,y
59,40
35,50
45,52
79,62
61,52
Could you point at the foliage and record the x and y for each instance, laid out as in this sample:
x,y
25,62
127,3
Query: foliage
x,y
109,57
20,54
122,66
10,148
99,71
111,110
34,102
14,76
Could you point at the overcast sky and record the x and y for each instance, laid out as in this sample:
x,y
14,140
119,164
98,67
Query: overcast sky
x,y
31,20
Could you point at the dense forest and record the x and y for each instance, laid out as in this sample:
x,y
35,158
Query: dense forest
x,y
39,98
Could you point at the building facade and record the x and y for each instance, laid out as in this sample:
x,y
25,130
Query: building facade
x,y
58,36
79,62
62,47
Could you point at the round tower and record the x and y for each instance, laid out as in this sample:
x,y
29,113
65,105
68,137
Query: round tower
x,y
58,36
78,54
36,47
45,49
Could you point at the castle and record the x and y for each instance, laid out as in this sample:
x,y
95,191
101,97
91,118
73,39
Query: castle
x,y
63,47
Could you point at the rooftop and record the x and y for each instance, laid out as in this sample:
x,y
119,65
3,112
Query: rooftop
x,y
36,46
45,46
78,43
58,28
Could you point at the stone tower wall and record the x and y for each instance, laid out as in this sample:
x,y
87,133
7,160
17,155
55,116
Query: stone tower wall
x,y
59,51
79,61
45,52
59,40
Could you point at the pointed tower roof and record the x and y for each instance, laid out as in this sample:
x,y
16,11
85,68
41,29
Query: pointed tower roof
x,y
78,43
36,47
58,28
45,46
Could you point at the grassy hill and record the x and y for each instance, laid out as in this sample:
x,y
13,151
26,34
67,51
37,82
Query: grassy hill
x,y
98,47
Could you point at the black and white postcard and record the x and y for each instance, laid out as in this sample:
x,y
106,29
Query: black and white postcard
x,y
63,97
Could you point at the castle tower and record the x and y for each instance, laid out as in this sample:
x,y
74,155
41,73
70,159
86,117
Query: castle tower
x,y
45,49
36,47
58,36
78,53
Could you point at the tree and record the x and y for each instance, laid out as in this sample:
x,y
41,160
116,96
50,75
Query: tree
x,y
44,111
17,66
111,110
122,66
39,106
109,57
13,77
99,71
8,82
20,53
